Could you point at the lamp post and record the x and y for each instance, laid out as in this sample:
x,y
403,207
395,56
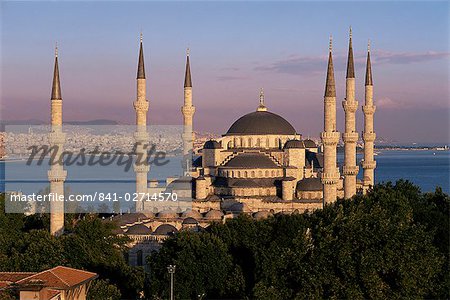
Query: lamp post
x,y
171,270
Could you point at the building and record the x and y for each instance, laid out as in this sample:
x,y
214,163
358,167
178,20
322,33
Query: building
x,y
59,283
261,166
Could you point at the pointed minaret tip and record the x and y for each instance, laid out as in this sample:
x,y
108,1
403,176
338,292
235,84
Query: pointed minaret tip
x,y
350,63
187,75
141,68
56,86
330,46
330,87
369,80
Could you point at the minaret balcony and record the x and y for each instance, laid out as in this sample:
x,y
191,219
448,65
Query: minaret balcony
x,y
140,105
350,107
141,168
369,109
188,111
56,137
350,137
141,135
57,175
330,177
350,170
368,164
330,138
369,136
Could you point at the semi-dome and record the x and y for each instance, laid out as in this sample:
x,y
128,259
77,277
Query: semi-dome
x,y
260,123
263,214
214,214
309,184
167,214
294,144
192,214
190,221
165,229
212,144
310,143
138,229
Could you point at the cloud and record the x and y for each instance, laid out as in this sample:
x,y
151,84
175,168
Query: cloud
x,y
229,78
385,57
299,65
388,103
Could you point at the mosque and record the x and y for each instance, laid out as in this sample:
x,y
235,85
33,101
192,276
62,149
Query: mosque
x,y
261,166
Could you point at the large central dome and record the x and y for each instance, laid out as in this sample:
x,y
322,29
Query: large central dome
x,y
261,123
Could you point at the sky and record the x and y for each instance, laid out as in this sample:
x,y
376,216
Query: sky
x,y
236,48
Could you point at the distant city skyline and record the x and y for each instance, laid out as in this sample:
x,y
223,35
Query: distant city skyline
x,y
236,48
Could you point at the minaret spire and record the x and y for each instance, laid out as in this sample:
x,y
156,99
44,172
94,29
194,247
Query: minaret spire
x,y
141,68
56,87
330,88
187,76
350,63
368,66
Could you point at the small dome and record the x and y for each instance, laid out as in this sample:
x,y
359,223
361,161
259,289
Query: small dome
x,y
212,144
165,229
214,214
167,214
190,221
149,214
294,144
138,229
192,214
264,214
310,143
309,184
239,207
260,123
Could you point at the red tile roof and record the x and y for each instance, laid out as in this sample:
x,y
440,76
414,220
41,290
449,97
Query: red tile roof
x,y
59,278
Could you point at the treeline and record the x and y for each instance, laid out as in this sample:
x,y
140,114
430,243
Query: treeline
x,y
26,245
391,243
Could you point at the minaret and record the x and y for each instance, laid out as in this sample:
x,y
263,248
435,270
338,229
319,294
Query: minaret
x,y
330,136
350,136
369,135
188,111
56,174
141,167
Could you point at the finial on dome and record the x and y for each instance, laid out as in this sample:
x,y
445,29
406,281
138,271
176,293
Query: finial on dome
x,y
262,106
141,37
56,49
350,32
188,51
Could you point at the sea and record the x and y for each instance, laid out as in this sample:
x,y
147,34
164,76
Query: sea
x,y
427,169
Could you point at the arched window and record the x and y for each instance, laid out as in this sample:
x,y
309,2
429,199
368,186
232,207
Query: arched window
x,y
245,174
253,174
273,173
140,258
267,143
266,173
259,173
258,142
250,142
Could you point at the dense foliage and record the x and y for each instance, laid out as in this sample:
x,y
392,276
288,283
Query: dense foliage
x,y
26,245
391,243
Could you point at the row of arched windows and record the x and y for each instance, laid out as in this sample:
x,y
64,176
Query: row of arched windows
x,y
250,173
252,142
